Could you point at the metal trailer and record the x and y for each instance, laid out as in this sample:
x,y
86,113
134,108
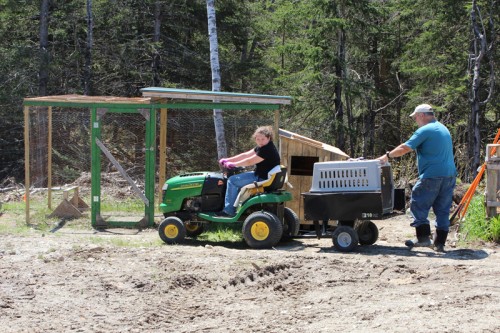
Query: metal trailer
x,y
353,193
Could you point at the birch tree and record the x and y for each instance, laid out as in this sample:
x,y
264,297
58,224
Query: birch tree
x,y
216,80
87,71
39,169
43,74
156,40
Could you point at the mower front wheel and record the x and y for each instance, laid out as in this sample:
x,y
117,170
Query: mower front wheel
x,y
262,230
172,230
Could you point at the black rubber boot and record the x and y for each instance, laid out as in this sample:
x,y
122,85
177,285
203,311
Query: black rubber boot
x,y
440,239
423,237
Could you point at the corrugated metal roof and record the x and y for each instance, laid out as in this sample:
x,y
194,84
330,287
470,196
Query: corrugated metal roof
x,y
220,96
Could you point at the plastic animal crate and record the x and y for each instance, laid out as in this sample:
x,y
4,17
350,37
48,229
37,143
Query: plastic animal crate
x,y
348,176
349,190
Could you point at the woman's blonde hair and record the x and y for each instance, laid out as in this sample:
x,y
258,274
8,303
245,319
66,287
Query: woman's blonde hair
x,y
267,131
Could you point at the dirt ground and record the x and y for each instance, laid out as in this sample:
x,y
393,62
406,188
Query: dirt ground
x,y
77,280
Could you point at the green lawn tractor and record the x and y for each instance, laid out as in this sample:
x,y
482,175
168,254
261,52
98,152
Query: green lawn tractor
x,y
191,200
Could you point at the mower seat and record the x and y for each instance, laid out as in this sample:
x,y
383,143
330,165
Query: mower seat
x,y
277,177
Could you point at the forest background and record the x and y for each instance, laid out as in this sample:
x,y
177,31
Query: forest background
x,y
355,68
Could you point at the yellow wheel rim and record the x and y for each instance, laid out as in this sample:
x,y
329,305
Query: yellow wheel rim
x,y
192,227
260,231
171,231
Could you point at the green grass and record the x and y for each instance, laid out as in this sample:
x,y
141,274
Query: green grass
x,y
476,226
222,232
127,205
14,222
9,229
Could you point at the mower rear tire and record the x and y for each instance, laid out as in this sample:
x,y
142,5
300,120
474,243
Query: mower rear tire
x,y
292,224
345,238
172,230
194,229
367,232
262,230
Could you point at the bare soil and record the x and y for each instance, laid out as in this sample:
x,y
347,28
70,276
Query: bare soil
x,y
77,280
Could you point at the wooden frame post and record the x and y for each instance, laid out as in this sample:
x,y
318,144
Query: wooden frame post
x,y
149,187
95,196
49,158
277,128
27,163
162,172
492,179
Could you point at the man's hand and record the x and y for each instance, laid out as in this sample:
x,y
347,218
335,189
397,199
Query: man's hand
x,y
383,159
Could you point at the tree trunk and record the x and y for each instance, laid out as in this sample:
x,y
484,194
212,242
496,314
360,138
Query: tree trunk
x,y
39,160
216,80
369,129
479,93
87,72
350,125
339,107
156,41
43,74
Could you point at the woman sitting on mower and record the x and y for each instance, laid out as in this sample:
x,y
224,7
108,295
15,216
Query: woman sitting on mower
x,y
264,156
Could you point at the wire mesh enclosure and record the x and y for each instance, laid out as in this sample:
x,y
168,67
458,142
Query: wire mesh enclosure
x,y
60,154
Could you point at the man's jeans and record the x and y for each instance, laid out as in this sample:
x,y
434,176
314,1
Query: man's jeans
x,y
234,184
436,193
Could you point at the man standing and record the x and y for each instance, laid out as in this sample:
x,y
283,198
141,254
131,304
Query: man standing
x,y
436,177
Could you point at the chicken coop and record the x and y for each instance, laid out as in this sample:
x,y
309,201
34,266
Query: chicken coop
x,y
112,154
298,154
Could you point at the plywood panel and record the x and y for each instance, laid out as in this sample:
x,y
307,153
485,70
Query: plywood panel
x,y
284,142
306,181
335,157
295,149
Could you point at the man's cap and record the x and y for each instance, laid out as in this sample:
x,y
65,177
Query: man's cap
x,y
422,108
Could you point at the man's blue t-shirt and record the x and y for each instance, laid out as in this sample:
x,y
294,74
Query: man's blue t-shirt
x,y
434,148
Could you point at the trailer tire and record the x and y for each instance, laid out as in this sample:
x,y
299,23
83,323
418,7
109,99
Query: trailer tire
x,y
367,232
345,238
291,224
172,230
262,230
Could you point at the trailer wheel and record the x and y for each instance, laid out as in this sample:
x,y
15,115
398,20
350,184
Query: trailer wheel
x,y
345,238
194,229
172,230
262,230
291,224
367,232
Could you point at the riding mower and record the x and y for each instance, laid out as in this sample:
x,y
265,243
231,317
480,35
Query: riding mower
x,y
191,200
